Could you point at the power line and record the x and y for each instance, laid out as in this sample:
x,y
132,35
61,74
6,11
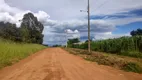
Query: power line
x,y
101,5
96,1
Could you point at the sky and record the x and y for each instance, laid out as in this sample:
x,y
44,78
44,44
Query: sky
x,y
63,20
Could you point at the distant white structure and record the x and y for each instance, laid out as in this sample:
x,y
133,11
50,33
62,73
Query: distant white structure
x,y
79,43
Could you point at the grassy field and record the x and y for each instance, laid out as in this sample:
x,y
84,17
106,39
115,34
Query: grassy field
x,y
11,52
117,61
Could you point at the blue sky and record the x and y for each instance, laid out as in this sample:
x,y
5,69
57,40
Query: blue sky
x,y
62,19
135,12
131,26
126,28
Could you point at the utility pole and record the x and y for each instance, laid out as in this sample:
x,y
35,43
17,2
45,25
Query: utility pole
x,y
67,40
89,26
88,11
66,36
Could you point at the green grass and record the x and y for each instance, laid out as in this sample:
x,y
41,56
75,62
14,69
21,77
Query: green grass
x,y
120,62
11,52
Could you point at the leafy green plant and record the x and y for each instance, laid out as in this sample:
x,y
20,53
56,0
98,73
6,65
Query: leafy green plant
x,y
127,46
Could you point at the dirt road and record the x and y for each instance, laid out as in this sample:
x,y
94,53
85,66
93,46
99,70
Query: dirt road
x,y
57,64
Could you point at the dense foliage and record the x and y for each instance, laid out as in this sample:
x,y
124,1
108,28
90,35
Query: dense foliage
x,y
137,32
9,31
128,46
131,46
71,42
30,30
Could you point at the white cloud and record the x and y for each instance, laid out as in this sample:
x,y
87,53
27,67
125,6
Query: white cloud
x,y
65,15
42,16
124,21
70,9
69,31
59,38
108,35
76,31
6,17
6,8
80,25
72,34
13,14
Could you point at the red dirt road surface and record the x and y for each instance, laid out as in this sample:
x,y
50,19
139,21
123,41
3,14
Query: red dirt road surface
x,y
57,64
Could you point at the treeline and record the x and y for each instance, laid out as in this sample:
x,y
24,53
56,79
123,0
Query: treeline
x,y
30,30
136,32
129,46
72,43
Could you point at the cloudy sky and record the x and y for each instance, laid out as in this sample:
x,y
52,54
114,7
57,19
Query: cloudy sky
x,y
62,19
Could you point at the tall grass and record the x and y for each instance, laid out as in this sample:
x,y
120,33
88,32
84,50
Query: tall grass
x,y
126,46
11,52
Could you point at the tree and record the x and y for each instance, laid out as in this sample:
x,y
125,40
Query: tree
x,y
87,41
29,32
56,45
9,31
137,32
72,41
31,29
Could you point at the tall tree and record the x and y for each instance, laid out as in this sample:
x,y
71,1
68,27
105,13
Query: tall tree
x,y
31,29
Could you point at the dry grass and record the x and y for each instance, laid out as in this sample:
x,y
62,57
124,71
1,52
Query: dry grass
x,y
117,61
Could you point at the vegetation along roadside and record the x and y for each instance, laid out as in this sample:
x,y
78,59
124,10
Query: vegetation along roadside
x,y
120,62
11,52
